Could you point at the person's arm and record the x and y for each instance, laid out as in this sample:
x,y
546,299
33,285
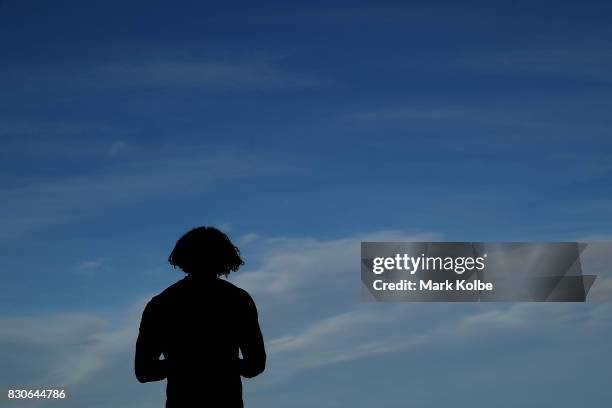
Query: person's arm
x,y
253,360
147,365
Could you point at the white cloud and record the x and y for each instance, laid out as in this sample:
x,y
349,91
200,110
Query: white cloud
x,y
521,315
247,238
75,352
306,291
343,337
60,350
292,263
54,329
91,265
339,324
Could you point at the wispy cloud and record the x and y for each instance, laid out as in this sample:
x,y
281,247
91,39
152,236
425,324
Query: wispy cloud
x,y
89,354
542,122
60,140
90,266
343,337
241,75
119,148
292,263
81,353
246,238
591,61
48,202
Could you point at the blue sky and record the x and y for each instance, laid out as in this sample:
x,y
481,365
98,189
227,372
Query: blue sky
x,y
302,129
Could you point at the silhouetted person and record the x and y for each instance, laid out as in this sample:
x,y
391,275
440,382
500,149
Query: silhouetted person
x,y
200,324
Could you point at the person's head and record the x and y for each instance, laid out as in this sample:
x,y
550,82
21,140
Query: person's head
x,y
205,252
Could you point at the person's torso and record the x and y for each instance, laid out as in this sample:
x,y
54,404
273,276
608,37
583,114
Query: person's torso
x,y
201,342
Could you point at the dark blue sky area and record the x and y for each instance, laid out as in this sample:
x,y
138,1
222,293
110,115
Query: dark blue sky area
x,y
299,129
479,120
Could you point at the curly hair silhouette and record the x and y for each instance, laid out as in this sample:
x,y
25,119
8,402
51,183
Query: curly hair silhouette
x,y
205,250
201,325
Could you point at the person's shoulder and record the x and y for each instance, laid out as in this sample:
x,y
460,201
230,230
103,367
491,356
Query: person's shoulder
x,y
238,292
229,286
170,292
